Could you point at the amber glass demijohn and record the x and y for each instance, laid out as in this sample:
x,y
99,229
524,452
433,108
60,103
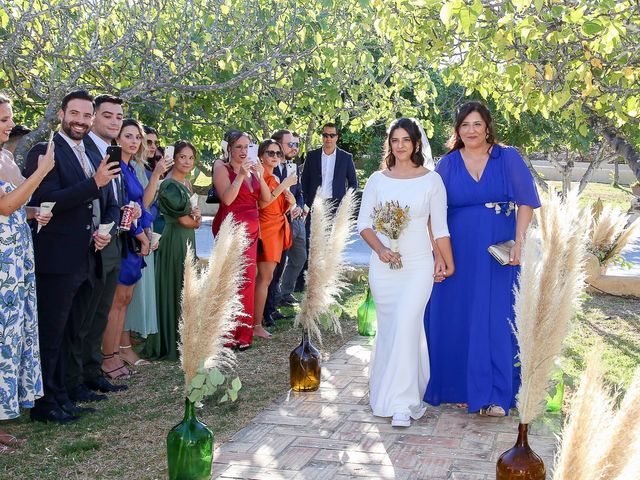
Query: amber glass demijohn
x,y
304,366
520,462
190,448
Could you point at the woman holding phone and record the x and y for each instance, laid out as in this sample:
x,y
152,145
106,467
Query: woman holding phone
x,y
21,379
275,232
181,222
239,183
131,139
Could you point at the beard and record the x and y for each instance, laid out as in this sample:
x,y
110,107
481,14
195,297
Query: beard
x,y
67,127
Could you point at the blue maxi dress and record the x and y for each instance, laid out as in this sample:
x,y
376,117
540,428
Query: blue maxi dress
x,y
472,349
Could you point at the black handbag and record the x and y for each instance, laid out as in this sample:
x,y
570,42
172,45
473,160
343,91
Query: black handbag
x,y
212,196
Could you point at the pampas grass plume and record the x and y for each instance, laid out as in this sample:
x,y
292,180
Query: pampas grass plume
x,y
585,431
211,302
327,263
622,442
550,282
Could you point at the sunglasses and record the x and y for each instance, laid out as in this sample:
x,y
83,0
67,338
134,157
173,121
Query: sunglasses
x,y
273,153
151,142
293,144
329,135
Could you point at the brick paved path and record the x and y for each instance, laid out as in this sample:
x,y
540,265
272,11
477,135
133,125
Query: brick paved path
x,y
331,434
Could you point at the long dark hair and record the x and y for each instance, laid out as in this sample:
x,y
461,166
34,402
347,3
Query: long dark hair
x,y
455,142
389,159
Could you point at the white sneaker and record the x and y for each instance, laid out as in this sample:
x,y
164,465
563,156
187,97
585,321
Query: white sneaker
x,y
401,420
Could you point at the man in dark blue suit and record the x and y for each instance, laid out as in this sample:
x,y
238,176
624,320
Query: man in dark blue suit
x,y
64,248
328,167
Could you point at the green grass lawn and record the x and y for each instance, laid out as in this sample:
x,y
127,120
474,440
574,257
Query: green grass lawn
x,y
620,196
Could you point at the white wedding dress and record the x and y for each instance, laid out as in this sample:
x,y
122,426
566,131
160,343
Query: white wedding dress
x,y
399,368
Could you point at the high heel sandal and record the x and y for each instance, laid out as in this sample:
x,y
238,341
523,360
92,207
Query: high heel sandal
x,y
130,371
138,363
108,373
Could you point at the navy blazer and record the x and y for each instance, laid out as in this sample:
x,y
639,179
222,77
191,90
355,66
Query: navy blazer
x,y
296,189
344,175
62,246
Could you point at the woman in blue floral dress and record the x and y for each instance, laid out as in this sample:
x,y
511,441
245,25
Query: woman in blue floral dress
x,y
20,375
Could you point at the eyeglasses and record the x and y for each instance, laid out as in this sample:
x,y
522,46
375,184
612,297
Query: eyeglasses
x,y
273,153
293,144
329,135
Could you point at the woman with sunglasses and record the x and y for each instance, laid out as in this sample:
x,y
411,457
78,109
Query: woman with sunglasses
x,y
275,232
239,184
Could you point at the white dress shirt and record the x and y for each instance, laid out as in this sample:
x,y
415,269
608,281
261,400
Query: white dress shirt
x,y
102,148
327,168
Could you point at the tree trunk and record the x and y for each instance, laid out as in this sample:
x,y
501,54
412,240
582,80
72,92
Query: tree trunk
x,y
46,124
619,144
536,176
307,138
594,164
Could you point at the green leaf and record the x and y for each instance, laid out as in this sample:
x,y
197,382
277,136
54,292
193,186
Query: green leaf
x,y
591,27
225,398
233,395
216,377
195,395
198,380
446,12
236,384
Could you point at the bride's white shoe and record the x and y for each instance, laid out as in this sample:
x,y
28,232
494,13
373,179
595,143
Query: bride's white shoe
x,y
401,420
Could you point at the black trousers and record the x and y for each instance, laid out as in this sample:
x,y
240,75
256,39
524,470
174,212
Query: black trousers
x,y
55,294
89,316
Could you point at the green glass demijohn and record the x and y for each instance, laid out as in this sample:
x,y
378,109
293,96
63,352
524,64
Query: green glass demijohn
x,y
190,448
367,318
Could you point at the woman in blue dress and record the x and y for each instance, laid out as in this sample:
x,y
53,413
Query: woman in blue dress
x,y
491,196
20,373
131,140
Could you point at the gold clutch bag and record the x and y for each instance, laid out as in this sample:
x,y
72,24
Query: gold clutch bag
x,y
501,251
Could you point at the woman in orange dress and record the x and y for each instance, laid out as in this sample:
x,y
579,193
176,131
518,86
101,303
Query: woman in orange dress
x,y
275,233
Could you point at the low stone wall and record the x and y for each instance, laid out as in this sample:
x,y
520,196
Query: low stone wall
x,y
604,174
611,284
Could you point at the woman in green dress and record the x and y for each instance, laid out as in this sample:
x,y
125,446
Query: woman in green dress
x,y
181,222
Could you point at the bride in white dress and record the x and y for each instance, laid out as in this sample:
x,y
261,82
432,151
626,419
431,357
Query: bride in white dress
x,y
399,369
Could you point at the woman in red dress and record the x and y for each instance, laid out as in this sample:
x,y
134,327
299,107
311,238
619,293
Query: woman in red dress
x,y
275,232
240,185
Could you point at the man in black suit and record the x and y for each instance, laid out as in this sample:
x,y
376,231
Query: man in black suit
x,y
328,167
92,303
63,249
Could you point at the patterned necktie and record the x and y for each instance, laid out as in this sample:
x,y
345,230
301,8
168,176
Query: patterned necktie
x,y
89,171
